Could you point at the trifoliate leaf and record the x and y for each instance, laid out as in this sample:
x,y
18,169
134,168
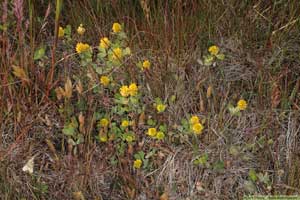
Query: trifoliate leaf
x,y
252,175
39,53
220,56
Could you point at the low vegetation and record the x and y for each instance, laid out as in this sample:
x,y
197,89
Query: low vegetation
x,y
149,99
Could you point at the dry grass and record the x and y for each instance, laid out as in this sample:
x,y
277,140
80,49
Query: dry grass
x,y
262,47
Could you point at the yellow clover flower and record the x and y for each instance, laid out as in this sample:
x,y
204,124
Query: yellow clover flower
x,y
104,43
61,32
213,50
194,119
124,91
152,132
125,123
117,54
104,80
137,163
104,122
80,29
116,27
160,135
82,47
103,138
133,89
160,107
242,104
146,64
197,128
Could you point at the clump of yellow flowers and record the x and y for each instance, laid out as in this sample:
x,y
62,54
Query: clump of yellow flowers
x,y
104,122
196,125
160,107
146,64
61,32
125,123
137,163
82,47
103,137
214,53
152,132
131,90
124,91
116,27
104,80
242,104
117,54
213,50
80,29
104,43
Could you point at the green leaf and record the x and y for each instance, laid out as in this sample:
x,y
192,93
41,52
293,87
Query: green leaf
x,y
220,56
249,186
219,165
127,51
71,141
139,155
150,122
68,31
180,128
102,53
264,178
113,161
69,130
139,65
202,160
252,175
97,116
208,60
39,53
234,150
163,128
151,153
234,110
80,139
173,98
99,70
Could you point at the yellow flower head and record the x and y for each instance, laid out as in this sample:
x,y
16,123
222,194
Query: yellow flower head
x,y
104,80
103,138
152,132
133,89
125,123
80,30
197,128
160,135
82,47
116,27
160,107
124,91
137,163
104,43
117,54
194,119
213,50
146,64
61,32
104,122
242,104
